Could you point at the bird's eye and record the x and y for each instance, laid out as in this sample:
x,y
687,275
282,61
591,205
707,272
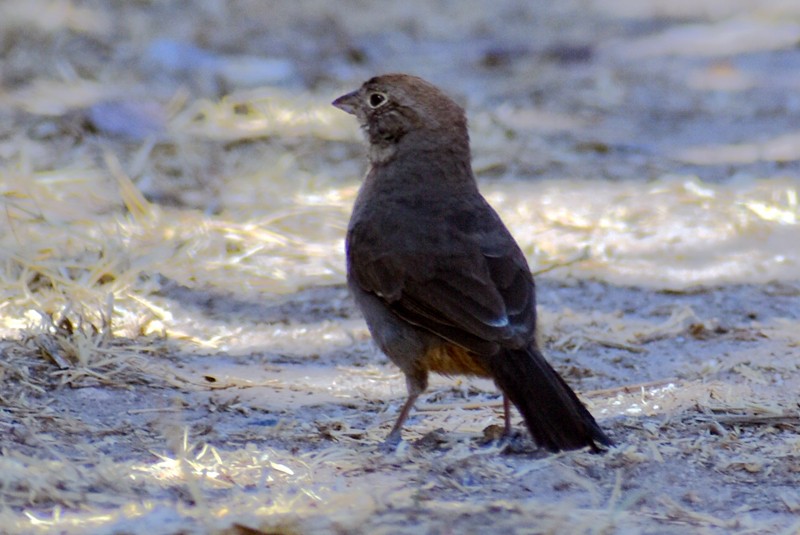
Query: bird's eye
x,y
376,100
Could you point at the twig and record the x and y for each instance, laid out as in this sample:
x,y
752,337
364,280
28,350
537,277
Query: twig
x,y
467,406
616,345
755,419
583,255
628,389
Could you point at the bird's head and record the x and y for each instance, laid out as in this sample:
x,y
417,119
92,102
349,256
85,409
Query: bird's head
x,y
401,111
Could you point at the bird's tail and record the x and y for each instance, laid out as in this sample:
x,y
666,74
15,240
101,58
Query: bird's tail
x,y
553,413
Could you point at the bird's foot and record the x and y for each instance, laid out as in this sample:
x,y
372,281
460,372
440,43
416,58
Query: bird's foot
x,y
392,441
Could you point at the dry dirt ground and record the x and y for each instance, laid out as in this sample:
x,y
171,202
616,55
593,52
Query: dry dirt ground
x,y
179,353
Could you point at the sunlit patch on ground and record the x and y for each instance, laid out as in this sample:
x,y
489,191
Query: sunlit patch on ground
x,y
179,353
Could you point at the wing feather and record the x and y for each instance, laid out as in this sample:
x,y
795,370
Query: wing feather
x,y
478,301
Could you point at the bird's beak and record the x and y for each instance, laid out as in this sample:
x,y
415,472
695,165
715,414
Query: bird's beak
x,y
347,102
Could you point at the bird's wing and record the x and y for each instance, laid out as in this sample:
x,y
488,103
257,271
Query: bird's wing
x,y
474,288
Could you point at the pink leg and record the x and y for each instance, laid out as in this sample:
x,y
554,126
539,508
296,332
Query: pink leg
x,y
506,416
395,434
416,385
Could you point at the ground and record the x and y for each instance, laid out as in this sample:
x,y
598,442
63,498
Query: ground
x,y
179,351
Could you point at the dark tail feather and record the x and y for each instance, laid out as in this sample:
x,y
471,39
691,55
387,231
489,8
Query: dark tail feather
x,y
555,416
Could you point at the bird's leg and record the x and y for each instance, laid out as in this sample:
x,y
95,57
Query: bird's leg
x,y
506,416
395,434
416,385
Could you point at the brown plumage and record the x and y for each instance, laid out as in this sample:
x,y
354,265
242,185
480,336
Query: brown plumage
x,y
441,282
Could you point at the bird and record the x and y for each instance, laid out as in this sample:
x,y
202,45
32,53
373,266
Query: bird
x,y
441,282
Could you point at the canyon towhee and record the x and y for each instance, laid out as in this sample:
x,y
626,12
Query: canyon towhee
x,y
441,282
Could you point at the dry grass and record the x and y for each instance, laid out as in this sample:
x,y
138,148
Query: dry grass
x,y
163,372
